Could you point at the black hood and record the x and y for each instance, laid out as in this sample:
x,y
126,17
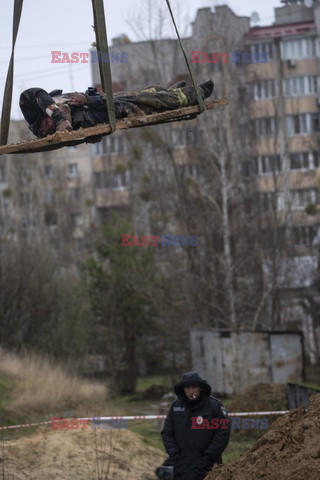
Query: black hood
x,y
192,378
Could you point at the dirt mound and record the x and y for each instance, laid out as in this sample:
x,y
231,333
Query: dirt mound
x,y
261,397
80,454
290,450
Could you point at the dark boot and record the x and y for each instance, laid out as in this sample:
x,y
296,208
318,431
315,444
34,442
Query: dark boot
x,y
187,95
207,88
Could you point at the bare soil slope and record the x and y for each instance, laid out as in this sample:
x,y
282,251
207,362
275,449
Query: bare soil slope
x,y
80,454
290,450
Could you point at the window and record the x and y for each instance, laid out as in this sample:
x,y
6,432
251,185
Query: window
x,y
27,223
271,201
294,86
190,171
302,124
263,89
303,160
48,171
266,200
77,220
25,174
305,235
73,170
50,217
265,126
305,123
315,122
114,144
267,164
3,174
25,198
97,148
298,49
74,194
262,50
184,137
49,196
111,180
302,197
78,243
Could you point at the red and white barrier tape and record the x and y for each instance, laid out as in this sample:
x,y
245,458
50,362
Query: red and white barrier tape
x,y
140,417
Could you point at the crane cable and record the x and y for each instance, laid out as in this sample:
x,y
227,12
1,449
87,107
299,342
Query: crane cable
x,y
104,67
7,95
191,71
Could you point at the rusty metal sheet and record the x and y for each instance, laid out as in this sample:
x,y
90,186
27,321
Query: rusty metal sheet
x,y
286,356
232,361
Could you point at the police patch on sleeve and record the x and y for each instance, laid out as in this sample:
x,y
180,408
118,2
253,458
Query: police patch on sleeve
x,y
224,411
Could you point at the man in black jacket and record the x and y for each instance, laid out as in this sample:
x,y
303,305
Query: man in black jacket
x,y
196,430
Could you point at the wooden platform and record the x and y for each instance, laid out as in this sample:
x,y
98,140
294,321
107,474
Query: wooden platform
x,y
95,134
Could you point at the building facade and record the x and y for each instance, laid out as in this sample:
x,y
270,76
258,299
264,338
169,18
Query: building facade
x,y
46,196
266,146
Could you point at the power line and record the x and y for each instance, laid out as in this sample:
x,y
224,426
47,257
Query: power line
x,y
47,74
49,45
26,59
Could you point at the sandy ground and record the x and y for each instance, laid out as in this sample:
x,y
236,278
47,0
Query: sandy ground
x,y
79,454
290,450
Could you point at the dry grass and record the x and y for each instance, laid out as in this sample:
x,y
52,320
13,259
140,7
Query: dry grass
x,y
42,384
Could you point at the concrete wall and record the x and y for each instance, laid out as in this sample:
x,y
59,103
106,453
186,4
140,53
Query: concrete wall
x,y
293,14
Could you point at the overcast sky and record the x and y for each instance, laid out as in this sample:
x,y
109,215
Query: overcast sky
x,y
65,25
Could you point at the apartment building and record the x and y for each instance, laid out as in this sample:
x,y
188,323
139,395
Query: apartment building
x,y
285,104
285,101
46,195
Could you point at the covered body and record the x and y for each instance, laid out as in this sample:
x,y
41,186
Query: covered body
x,y
91,109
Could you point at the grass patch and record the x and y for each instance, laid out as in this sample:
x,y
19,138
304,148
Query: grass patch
x,y
312,386
145,382
149,433
236,448
312,374
6,387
